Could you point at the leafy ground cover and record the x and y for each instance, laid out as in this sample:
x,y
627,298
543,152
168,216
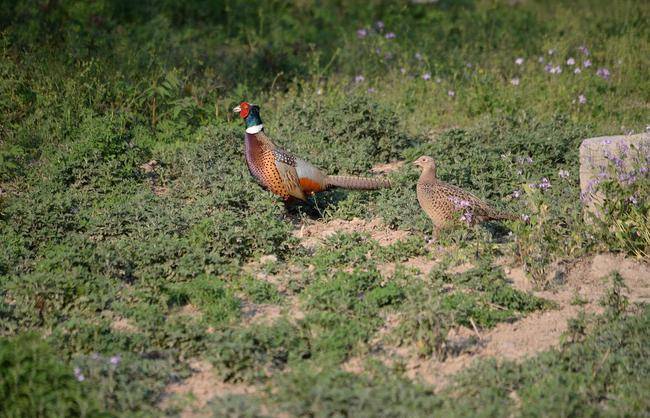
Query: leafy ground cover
x,y
137,253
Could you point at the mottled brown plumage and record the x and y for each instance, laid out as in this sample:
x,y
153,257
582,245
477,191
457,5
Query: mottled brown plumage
x,y
445,203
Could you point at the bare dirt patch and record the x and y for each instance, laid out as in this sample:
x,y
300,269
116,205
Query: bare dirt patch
x,y
122,324
193,393
313,234
422,264
260,313
537,332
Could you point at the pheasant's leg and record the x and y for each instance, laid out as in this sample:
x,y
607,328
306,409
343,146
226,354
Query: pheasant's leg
x,y
435,233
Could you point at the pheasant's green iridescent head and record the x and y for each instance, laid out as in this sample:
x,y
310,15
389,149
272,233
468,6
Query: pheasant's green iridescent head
x,y
251,115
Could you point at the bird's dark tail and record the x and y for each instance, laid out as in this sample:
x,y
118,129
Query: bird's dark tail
x,y
357,183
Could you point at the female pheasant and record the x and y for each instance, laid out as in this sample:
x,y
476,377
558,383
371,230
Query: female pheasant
x,y
445,203
284,174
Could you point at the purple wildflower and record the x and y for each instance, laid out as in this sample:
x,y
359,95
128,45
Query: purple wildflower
x,y
583,49
586,63
426,76
582,99
115,360
372,90
563,174
524,160
628,178
519,61
514,81
451,93
570,61
466,217
525,218
359,79
606,141
459,203
390,35
603,73
469,65
545,184
362,33
577,70
78,375
556,70
548,68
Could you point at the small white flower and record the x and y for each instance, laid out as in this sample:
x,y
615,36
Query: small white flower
x,y
570,61
582,99
577,70
451,93
514,81
519,61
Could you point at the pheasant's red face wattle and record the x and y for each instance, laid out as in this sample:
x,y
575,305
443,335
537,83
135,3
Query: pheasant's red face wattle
x,y
245,108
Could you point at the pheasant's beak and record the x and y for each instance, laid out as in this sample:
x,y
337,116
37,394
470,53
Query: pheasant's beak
x,y
237,109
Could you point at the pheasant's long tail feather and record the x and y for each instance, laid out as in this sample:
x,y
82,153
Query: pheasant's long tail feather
x,y
357,183
504,215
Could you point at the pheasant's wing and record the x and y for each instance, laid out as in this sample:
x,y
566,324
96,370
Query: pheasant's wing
x,y
478,206
286,165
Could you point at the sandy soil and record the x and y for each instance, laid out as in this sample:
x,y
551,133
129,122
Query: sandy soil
x,y
193,393
539,331
313,234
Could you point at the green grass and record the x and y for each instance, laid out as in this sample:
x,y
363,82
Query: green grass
x,y
124,194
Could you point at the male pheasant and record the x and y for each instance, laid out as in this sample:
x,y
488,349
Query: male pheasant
x,y
282,173
445,203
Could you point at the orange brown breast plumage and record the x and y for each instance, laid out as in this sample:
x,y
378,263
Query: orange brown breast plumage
x,y
284,174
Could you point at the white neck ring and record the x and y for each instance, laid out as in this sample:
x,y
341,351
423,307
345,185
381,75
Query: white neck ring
x,y
254,129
